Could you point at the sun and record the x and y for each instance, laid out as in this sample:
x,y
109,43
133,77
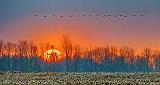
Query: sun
x,y
52,55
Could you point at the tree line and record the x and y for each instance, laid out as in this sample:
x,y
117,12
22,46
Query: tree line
x,y
26,56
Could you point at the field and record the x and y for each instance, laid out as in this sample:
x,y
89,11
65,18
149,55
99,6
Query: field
x,y
88,78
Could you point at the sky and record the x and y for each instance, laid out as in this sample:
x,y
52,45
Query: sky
x,y
17,21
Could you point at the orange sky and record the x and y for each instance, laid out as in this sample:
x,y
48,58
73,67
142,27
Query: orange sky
x,y
134,32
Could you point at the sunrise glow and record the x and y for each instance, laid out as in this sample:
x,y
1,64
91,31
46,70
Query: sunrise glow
x,y
52,55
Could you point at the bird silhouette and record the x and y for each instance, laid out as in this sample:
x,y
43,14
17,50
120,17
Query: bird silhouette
x,y
83,15
134,15
71,16
90,14
44,16
78,15
105,15
109,15
35,15
141,15
120,15
97,15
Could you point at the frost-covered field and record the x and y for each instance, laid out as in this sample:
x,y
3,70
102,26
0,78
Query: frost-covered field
x,y
88,78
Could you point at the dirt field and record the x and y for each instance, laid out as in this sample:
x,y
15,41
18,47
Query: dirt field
x,y
89,78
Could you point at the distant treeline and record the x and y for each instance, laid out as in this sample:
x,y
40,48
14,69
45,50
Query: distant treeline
x,y
27,56
35,64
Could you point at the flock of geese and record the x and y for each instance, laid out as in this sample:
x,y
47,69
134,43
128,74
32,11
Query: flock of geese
x,y
90,15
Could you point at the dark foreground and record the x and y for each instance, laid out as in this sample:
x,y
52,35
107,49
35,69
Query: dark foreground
x,y
89,78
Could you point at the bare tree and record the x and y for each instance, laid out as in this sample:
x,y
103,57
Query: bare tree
x,y
98,55
151,56
154,58
106,51
87,52
148,55
128,54
113,52
15,49
77,51
84,52
67,47
9,47
33,49
23,48
1,47
43,48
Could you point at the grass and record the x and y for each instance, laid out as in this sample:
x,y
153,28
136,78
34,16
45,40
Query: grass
x,y
83,78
